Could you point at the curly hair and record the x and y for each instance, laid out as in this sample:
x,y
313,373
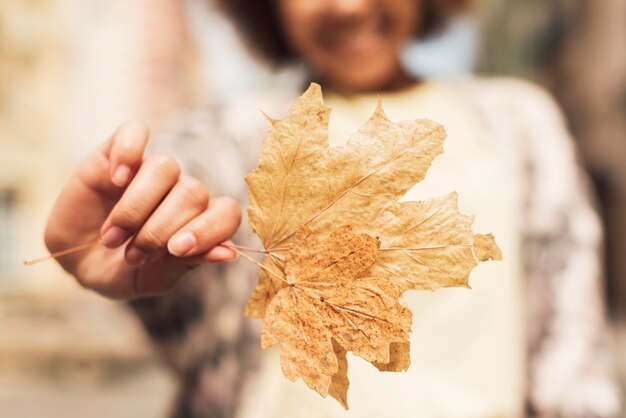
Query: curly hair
x,y
259,23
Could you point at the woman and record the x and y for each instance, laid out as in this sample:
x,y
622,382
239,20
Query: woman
x,y
527,338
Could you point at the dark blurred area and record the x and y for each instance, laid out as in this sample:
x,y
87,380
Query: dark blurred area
x,y
71,70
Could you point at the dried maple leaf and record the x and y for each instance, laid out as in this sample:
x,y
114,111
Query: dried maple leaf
x,y
324,310
301,191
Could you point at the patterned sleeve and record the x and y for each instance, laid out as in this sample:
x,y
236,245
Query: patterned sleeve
x,y
571,368
199,328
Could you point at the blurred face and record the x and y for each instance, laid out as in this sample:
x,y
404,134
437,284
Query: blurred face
x,y
352,44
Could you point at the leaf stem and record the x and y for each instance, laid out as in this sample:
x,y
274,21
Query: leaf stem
x,y
247,257
61,253
237,248
248,249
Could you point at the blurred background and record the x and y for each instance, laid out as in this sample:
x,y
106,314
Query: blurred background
x,y
73,70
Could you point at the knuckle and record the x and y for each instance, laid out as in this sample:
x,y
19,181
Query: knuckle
x,y
232,207
202,226
195,193
151,239
164,165
127,216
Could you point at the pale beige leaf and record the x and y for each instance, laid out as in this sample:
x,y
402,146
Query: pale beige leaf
x,y
485,248
300,180
341,249
426,245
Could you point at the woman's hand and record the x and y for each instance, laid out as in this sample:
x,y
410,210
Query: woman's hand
x,y
154,223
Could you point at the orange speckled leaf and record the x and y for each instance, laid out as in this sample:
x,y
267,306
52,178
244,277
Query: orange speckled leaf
x,y
325,300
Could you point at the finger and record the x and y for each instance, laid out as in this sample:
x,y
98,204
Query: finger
x,y
187,199
222,252
125,151
155,178
216,224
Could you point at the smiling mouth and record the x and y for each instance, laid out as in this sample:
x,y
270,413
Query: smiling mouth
x,y
356,40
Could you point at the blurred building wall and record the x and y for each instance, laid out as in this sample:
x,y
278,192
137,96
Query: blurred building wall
x,y
70,72
30,70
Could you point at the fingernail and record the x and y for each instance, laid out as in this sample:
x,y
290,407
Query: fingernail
x,y
181,243
135,256
114,237
221,253
121,175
